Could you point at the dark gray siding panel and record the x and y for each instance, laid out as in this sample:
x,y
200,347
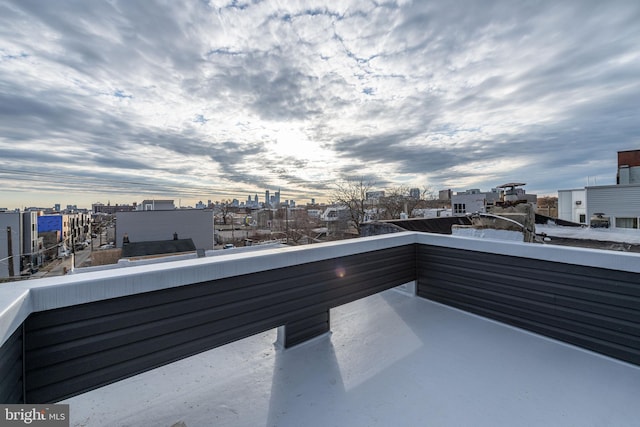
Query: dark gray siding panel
x,y
72,350
594,308
306,328
11,389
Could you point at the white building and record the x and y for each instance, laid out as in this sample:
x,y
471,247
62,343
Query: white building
x,y
335,213
21,229
572,205
473,200
621,203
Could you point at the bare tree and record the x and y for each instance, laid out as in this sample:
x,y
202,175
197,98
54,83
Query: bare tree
x,y
548,205
398,199
394,202
547,202
352,194
428,193
225,210
300,226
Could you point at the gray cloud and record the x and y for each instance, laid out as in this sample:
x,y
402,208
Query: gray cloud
x,y
210,95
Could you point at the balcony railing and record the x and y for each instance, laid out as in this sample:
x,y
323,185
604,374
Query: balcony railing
x,y
63,336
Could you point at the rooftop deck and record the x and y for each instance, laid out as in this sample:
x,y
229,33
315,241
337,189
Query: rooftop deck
x,y
391,359
351,350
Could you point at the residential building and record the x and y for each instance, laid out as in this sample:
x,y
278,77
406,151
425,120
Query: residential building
x,y
25,248
111,209
54,222
619,203
337,219
31,243
473,200
71,228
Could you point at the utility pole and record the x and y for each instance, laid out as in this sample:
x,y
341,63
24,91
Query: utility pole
x,y
73,249
10,252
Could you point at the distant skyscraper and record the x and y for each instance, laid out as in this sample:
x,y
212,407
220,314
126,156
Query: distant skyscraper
x,y
267,199
255,199
277,197
414,193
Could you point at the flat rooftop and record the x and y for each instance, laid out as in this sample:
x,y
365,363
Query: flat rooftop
x,y
391,359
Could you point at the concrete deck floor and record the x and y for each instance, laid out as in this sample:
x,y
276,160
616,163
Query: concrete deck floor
x,y
391,360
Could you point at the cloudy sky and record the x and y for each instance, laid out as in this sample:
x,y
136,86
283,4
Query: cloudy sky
x,y
194,100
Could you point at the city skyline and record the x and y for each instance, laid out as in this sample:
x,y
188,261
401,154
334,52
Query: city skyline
x,y
212,100
250,199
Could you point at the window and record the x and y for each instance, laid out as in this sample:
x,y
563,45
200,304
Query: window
x,y
583,219
459,208
626,222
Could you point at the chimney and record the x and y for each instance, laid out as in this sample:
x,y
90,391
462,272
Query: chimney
x,y
175,236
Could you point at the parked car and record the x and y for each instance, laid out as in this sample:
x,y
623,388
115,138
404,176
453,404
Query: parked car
x,y
228,246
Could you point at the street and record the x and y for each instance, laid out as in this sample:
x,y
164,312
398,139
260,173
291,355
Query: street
x,y
60,266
